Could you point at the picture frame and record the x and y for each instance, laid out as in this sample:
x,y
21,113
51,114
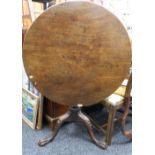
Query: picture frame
x,y
30,104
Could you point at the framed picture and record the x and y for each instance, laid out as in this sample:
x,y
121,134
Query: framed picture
x,y
30,104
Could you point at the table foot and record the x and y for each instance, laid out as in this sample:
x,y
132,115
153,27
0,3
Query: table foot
x,y
59,123
88,124
74,114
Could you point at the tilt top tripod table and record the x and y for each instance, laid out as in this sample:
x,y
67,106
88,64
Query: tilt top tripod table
x,y
76,53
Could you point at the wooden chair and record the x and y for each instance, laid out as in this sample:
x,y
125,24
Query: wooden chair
x,y
120,98
120,101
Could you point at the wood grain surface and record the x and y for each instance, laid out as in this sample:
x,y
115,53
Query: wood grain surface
x,y
77,52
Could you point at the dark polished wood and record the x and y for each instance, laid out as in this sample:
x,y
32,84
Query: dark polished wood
x,y
77,52
74,114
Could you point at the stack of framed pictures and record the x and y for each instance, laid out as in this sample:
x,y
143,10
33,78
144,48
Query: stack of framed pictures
x,y
32,104
29,108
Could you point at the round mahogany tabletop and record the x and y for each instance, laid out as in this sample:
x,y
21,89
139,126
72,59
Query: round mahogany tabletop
x,y
77,53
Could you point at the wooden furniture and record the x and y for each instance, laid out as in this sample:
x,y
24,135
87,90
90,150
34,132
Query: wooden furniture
x,y
76,53
120,98
51,109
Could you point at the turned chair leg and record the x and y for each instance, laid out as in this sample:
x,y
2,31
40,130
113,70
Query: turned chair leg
x,y
126,133
110,126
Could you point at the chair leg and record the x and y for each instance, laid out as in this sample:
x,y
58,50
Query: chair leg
x,y
110,126
126,133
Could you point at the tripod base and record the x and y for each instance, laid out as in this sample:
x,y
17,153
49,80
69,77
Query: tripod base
x,y
74,114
